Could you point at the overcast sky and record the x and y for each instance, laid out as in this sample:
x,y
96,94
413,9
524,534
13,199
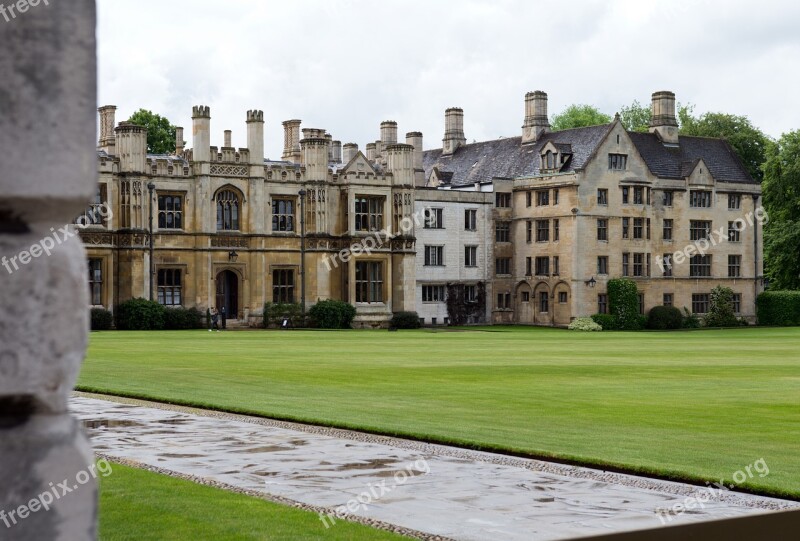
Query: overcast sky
x,y
346,65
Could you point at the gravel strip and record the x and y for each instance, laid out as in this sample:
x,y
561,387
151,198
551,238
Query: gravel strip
x,y
579,472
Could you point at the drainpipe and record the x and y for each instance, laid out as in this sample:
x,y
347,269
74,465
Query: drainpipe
x,y
755,253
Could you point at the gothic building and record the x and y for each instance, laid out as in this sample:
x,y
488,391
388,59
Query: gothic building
x,y
525,229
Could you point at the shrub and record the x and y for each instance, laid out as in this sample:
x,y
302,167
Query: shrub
x,y
139,315
332,314
690,320
778,308
584,324
606,321
623,301
720,313
664,317
405,320
101,319
274,314
178,318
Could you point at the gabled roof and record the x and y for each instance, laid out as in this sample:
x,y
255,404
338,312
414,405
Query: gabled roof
x,y
509,158
678,162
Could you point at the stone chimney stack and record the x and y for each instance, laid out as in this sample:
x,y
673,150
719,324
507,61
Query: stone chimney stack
x,y
314,148
131,144
350,151
536,122
414,139
371,152
255,136
400,162
337,151
180,144
291,141
329,140
453,130
107,124
201,133
663,122
388,133
227,139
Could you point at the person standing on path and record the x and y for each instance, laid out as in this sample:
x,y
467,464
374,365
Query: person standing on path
x,y
223,315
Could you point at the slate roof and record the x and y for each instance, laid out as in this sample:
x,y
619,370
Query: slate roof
x,y
674,162
509,158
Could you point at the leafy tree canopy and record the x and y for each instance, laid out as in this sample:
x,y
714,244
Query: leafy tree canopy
x,y
578,116
160,132
781,192
635,117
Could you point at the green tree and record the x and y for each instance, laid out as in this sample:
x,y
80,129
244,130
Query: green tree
x,y
781,192
749,143
635,117
578,116
160,132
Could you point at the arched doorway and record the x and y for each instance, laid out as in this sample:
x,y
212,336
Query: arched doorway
x,y
524,304
542,307
228,293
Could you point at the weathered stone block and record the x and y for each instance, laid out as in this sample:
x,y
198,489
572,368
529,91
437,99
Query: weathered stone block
x,y
47,106
49,481
44,321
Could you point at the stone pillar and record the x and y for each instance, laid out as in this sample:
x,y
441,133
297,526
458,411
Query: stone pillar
x,y
201,133
255,137
291,141
226,139
48,64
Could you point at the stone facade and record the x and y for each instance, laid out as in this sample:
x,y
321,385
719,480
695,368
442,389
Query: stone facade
x,y
227,223
551,226
576,208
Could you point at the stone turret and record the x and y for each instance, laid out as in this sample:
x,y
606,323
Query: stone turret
x,y
255,136
314,147
400,162
131,145
201,133
453,130
388,133
536,122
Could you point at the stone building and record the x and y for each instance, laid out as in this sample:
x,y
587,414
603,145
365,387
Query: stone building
x,y
525,229
577,207
227,223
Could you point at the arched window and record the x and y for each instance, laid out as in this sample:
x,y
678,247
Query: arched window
x,y
227,211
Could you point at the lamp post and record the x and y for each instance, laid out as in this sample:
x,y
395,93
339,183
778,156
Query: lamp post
x,y
150,187
302,194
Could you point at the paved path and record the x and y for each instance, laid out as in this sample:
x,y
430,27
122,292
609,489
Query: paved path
x,y
444,491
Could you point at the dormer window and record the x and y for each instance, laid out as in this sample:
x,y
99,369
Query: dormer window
x,y
550,161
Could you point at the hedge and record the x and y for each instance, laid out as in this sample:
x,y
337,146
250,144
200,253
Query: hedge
x,y
664,318
139,315
405,320
178,318
780,308
606,321
332,314
101,319
275,313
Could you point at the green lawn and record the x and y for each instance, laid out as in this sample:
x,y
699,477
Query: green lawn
x,y
138,505
693,405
